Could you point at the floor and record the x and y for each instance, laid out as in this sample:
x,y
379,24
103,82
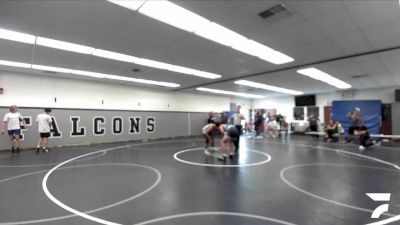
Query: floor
x,y
163,182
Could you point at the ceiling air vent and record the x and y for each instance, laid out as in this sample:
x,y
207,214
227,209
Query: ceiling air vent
x,y
49,72
359,76
136,70
280,10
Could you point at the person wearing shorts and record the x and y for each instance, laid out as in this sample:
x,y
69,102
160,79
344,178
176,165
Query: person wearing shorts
x,y
209,133
231,134
44,122
13,121
237,118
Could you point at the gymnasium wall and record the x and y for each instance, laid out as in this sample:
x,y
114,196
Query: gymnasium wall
x,y
285,104
176,113
80,126
40,91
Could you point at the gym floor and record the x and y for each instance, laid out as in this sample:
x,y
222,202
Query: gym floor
x,y
272,181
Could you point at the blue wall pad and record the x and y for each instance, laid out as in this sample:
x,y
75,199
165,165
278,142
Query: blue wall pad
x,y
370,113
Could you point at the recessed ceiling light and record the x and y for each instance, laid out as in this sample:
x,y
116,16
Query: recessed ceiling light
x,y
87,73
268,87
324,77
220,34
17,36
51,68
153,64
173,14
51,43
14,64
115,56
218,91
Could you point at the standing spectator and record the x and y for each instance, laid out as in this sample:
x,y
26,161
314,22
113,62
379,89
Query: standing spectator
x,y
44,124
258,120
13,121
313,120
284,126
237,118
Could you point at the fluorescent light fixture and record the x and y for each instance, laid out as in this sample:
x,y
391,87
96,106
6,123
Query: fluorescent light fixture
x,y
159,83
220,34
47,42
207,75
14,64
88,74
217,91
253,48
276,58
17,36
154,64
268,87
324,77
51,68
115,56
142,81
129,4
178,69
51,43
173,14
263,52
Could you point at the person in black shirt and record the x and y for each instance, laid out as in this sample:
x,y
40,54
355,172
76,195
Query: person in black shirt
x,y
258,119
361,132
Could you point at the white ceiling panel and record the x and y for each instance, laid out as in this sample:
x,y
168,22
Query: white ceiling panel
x,y
323,49
312,8
373,13
383,36
334,23
351,42
391,61
58,58
15,51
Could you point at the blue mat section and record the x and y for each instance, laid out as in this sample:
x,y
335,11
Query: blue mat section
x,y
370,113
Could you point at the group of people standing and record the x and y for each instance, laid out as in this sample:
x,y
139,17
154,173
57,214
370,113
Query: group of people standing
x,y
13,122
230,132
275,126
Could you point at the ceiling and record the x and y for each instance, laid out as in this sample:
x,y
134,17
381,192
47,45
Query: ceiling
x,y
342,38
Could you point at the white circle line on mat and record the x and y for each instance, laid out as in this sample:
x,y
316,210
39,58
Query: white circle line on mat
x,y
93,210
381,222
268,158
212,213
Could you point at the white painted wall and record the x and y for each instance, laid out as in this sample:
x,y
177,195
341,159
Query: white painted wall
x,y
285,105
27,90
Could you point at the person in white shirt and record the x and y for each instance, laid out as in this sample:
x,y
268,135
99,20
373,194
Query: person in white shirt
x,y
13,121
237,121
44,123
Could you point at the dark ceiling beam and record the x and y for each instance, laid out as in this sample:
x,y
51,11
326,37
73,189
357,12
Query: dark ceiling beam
x,y
293,67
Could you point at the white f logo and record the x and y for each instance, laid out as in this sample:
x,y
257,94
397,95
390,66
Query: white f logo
x,y
379,197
